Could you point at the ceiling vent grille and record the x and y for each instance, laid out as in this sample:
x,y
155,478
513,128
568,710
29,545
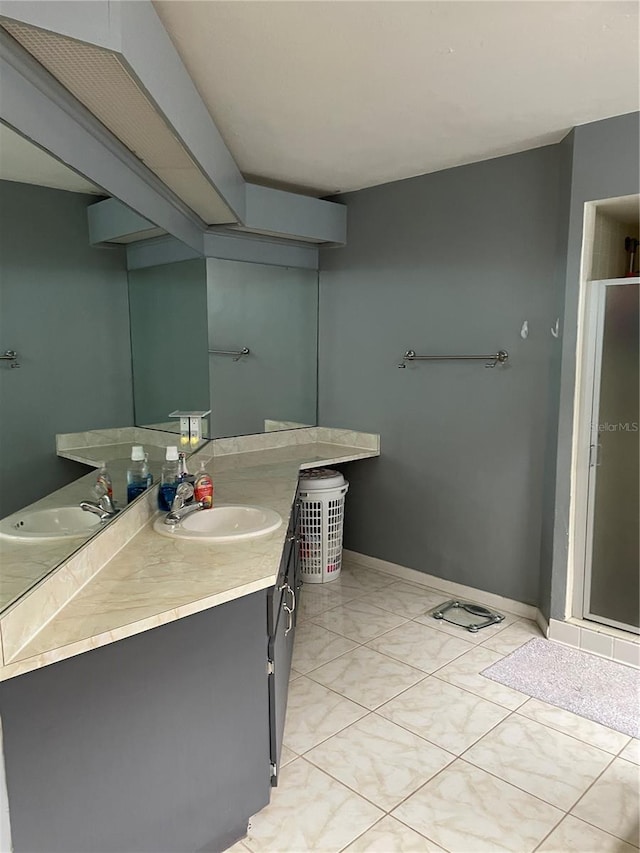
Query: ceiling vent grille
x,y
104,85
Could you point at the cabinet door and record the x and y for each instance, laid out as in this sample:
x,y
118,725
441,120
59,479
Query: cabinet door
x,y
280,652
293,569
296,577
289,559
159,742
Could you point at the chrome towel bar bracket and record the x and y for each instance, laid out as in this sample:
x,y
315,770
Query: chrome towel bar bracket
x,y
10,355
499,357
237,354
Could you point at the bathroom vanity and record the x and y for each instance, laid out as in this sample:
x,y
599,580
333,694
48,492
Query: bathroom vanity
x,y
156,742
145,711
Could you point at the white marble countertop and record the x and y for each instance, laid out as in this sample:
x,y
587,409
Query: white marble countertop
x,y
153,579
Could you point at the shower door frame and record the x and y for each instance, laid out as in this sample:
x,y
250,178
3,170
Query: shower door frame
x,y
588,447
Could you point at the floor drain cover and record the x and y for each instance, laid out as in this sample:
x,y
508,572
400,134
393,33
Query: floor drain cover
x,y
467,615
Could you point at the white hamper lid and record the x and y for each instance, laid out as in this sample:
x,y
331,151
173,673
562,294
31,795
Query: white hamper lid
x,y
321,478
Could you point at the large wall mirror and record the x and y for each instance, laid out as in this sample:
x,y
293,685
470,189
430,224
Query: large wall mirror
x,y
104,347
236,338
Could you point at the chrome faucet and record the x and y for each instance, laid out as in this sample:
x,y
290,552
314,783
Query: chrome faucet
x,y
104,507
180,508
180,512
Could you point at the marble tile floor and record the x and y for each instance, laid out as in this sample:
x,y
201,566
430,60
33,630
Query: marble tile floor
x,y
395,742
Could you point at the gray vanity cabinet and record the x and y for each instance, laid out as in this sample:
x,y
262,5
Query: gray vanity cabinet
x,y
280,653
283,600
158,742
169,740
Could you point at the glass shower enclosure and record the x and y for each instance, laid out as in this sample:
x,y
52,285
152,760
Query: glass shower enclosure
x,y
612,564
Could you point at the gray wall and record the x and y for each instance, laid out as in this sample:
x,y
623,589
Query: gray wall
x,y
169,339
63,307
452,262
553,393
605,165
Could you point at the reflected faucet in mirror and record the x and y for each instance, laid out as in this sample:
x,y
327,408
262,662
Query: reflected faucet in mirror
x,y
104,507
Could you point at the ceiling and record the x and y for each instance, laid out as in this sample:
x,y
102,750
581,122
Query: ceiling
x,y
102,82
24,162
338,95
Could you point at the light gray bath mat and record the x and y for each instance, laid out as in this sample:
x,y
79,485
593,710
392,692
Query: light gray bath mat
x,y
595,688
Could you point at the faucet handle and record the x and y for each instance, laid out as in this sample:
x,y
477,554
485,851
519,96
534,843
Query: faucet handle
x,y
106,503
184,493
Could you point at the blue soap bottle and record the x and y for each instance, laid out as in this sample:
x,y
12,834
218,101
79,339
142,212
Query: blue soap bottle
x,y
139,477
169,479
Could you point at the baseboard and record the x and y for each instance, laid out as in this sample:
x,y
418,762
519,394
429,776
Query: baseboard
x,y
602,641
542,623
489,599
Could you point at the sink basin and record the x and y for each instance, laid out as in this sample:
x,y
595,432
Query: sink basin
x,y
56,523
223,524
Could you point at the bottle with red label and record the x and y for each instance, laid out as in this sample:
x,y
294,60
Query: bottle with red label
x,y
104,484
203,488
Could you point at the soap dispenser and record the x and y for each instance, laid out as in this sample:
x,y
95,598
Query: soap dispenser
x,y
203,487
139,477
169,479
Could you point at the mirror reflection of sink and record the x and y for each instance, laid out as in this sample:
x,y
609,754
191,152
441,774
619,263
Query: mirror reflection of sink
x,y
55,523
223,524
